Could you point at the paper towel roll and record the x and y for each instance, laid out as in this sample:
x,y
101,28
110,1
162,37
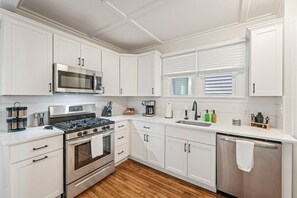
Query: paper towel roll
x,y
168,113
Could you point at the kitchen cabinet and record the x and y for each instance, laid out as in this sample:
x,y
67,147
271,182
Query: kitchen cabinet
x,y
111,74
191,153
26,62
149,74
74,52
121,141
128,75
148,143
32,169
266,60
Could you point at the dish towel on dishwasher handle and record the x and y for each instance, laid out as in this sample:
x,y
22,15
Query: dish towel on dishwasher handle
x,y
245,155
97,145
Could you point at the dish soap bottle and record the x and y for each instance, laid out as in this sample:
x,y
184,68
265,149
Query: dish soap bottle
x,y
206,116
213,116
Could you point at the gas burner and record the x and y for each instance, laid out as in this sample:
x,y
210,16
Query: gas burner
x,y
82,124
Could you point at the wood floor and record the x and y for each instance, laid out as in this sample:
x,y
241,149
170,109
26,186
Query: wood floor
x,y
132,179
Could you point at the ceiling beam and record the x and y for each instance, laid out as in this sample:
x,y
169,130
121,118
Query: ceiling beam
x,y
244,12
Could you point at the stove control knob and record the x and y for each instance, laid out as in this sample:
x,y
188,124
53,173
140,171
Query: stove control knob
x,y
107,127
95,130
85,132
79,134
103,128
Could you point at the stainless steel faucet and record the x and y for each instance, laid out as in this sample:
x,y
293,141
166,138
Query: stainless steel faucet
x,y
194,108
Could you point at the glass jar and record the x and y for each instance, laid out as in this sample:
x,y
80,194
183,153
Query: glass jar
x,y
20,111
9,124
25,111
14,112
14,124
25,122
20,123
9,112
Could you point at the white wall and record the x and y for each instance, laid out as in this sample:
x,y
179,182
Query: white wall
x,y
226,109
37,104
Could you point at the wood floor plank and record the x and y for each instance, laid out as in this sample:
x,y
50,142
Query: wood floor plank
x,y
134,180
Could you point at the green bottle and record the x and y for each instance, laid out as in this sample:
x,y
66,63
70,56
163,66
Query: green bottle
x,y
206,116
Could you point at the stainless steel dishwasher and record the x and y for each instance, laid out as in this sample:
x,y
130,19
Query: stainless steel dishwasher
x,y
264,180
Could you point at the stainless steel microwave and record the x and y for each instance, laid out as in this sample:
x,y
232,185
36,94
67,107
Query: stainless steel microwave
x,y
69,79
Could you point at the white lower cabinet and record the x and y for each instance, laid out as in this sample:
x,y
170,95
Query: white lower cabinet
x,y
194,158
148,143
41,176
121,150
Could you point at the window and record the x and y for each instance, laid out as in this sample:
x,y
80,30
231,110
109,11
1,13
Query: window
x,y
181,86
218,84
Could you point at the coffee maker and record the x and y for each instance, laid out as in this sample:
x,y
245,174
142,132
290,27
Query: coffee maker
x,y
149,108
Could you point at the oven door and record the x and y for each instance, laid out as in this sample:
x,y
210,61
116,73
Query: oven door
x,y
68,79
79,161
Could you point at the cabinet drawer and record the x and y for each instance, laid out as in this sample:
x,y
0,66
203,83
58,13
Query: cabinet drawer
x,y
121,137
121,126
35,148
121,152
149,127
205,137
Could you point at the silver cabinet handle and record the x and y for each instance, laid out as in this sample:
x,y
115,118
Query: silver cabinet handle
x,y
121,126
153,91
146,127
83,62
120,138
254,87
103,90
144,137
257,143
37,160
78,61
185,147
43,147
50,87
121,91
147,138
189,148
120,152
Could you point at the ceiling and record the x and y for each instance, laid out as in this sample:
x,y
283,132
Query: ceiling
x,y
135,24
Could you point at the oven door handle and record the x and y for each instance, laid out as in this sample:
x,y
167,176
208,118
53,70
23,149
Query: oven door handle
x,y
86,140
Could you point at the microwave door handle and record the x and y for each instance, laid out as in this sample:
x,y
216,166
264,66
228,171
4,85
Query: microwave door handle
x,y
94,83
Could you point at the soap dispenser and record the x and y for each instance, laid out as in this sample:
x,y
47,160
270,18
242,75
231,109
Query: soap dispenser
x,y
213,116
206,116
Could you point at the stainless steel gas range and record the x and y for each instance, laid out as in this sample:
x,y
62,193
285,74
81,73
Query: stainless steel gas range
x,y
80,124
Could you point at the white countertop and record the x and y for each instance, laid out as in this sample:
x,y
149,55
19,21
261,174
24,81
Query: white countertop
x,y
244,130
30,134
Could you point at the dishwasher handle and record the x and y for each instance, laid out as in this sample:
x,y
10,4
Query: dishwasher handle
x,y
257,143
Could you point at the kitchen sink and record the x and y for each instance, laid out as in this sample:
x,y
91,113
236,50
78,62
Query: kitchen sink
x,y
194,123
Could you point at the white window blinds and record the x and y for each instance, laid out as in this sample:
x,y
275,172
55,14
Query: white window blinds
x,y
184,63
180,86
231,56
218,84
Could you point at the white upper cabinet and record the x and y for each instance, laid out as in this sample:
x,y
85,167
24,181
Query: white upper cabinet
x,y
128,76
266,60
111,74
149,74
74,52
26,58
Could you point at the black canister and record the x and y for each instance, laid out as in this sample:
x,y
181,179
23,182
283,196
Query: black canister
x,y
259,118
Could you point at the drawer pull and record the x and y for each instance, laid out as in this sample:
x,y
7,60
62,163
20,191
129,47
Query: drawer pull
x,y
146,127
121,126
120,138
120,152
35,149
40,159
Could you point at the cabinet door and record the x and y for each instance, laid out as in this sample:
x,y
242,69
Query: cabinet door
x,y
66,51
42,178
145,75
266,60
91,57
111,74
176,155
138,145
128,76
27,59
201,163
155,149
